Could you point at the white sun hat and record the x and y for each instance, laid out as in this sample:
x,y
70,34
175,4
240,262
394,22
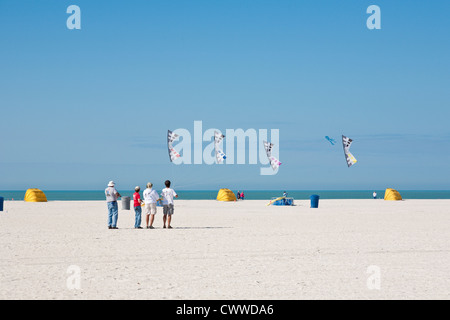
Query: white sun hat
x,y
111,184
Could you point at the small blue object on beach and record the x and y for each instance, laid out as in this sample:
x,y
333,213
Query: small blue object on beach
x,y
314,201
1,203
283,202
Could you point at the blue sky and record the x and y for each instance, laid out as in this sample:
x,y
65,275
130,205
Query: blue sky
x,y
82,107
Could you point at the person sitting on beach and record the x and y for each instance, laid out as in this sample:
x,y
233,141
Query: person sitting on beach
x,y
238,195
150,199
285,196
111,200
167,200
374,195
242,195
137,208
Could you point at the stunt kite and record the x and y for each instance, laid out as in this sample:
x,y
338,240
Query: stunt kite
x,y
346,143
274,162
171,137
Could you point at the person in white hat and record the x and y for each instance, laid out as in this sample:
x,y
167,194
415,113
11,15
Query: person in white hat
x,y
113,209
150,199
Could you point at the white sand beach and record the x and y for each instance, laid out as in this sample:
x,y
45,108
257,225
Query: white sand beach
x,y
238,250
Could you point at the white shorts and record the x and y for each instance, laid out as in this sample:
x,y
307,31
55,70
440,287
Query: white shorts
x,y
150,208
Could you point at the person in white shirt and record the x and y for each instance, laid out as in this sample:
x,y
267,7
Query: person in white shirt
x,y
167,196
374,194
150,199
111,200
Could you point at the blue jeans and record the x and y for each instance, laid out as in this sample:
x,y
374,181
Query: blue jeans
x,y
137,218
113,214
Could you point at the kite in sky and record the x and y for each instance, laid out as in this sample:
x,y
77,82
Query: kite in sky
x,y
332,141
220,155
171,137
274,162
346,143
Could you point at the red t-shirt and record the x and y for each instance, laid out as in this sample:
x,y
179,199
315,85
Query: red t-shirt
x,y
136,198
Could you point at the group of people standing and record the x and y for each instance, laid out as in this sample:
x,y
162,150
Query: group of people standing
x,y
240,195
150,199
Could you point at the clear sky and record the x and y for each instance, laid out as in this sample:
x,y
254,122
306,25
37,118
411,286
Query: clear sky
x,y
81,107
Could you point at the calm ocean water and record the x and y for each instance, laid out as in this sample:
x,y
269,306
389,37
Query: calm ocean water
x,y
249,195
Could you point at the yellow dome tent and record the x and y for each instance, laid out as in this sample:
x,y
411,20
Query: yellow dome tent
x,y
392,194
226,195
35,195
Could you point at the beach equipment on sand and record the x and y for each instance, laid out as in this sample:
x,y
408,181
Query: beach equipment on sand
x,y
35,195
392,194
314,201
275,200
226,195
281,201
126,203
1,203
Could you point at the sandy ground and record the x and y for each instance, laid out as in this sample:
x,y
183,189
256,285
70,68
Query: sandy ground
x,y
346,249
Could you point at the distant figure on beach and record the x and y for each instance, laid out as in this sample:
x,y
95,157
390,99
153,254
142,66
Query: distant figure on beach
x,y
374,195
111,200
238,195
167,196
150,199
285,196
242,195
137,208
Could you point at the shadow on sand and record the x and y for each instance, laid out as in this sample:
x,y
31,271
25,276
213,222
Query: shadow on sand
x,y
174,228
202,227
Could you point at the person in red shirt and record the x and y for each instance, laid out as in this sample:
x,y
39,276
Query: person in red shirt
x,y
137,208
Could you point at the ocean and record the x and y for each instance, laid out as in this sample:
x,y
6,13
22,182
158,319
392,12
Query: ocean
x,y
53,195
